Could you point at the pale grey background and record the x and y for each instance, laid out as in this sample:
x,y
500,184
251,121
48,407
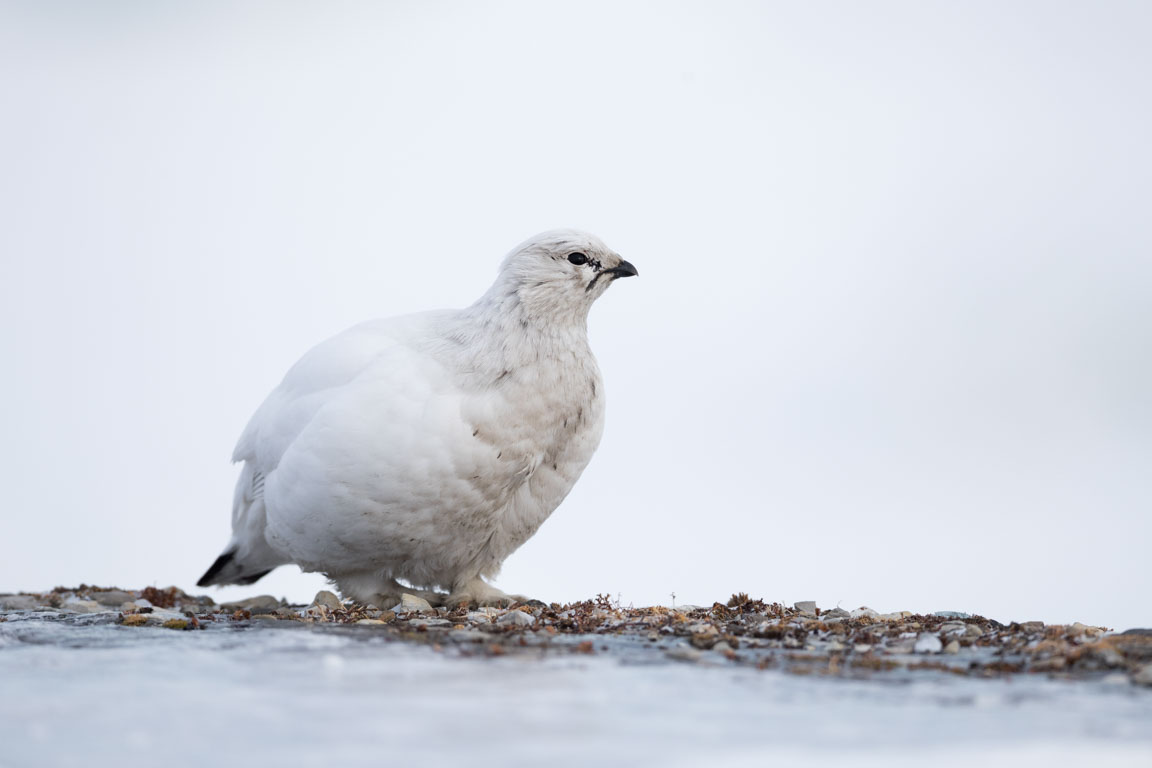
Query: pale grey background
x,y
890,344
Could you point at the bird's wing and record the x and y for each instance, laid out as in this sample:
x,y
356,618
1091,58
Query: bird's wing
x,y
308,384
401,455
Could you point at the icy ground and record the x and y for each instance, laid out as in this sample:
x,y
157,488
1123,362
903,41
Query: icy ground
x,y
85,692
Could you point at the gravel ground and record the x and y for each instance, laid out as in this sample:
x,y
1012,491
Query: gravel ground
x,y
153,677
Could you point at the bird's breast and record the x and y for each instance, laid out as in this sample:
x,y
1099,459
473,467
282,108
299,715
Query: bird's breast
x,y
541,415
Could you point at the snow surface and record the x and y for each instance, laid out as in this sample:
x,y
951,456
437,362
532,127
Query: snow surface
x,y
85,693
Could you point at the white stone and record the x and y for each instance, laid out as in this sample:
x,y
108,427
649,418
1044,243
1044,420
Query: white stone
x,y
258,604
82,606
19,603
952,647
410,603
928,643
113,597
516,619
806,606
863,611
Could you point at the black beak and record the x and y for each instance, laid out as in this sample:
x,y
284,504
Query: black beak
x,y
625,269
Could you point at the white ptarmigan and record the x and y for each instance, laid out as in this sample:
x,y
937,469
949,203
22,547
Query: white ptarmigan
x,y
428,447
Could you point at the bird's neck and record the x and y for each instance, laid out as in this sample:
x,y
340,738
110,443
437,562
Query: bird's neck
x,y
509,329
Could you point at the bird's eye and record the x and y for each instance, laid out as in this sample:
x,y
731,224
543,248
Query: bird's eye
x,y
577,258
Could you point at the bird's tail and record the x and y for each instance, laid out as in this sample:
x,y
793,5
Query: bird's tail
x,y
228,569
248,557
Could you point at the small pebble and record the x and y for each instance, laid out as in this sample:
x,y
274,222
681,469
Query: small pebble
x,y
468,636
82,606
683,653
19,603
952,647
903,645
113,597
705,640
259,603
805,606
1143,675
411,603
328,600
928,643
516,619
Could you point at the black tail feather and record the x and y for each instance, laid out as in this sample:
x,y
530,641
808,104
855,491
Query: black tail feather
x,y
253,578
223,560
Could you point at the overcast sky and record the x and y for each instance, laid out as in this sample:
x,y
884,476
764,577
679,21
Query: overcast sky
x,y
891,343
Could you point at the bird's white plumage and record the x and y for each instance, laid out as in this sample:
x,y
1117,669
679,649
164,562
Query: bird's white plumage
x,y
429,447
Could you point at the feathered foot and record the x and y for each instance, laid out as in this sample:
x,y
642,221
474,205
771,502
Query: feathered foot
x,y
371,589
479,593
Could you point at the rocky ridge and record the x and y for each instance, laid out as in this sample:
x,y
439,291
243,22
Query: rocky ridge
x,y
802,639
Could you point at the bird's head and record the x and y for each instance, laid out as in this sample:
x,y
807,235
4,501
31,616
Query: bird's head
x,y
561,272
